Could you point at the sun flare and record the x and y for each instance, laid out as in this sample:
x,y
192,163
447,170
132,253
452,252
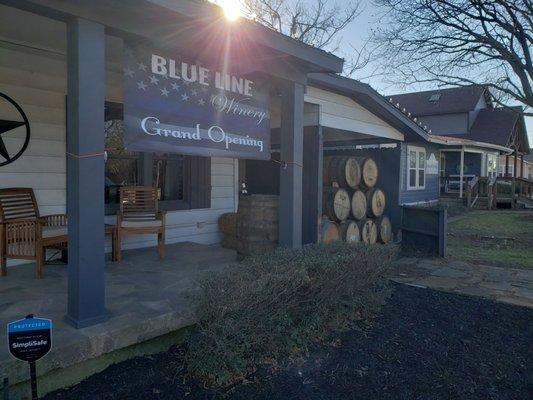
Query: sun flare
x,y
232,8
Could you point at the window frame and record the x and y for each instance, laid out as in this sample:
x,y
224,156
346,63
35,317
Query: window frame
x,y
196,175
418,150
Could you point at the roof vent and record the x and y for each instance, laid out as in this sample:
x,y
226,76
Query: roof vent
x,y
435,97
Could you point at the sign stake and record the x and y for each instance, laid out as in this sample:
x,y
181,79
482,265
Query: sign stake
x,y
33,379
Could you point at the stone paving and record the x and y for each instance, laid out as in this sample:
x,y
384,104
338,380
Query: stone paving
x,y
514,286
145,298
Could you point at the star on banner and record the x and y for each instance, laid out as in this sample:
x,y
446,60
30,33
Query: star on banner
x,y
184,97
164,92
154,80
142,66
141,85
194,92
175,86
201,102
128,72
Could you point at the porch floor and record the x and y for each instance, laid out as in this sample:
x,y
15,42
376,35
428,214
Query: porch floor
x,y
145,298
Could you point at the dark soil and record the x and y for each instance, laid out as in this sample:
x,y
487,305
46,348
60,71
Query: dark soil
x,y
425,345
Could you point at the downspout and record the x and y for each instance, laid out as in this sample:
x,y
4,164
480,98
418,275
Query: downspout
x,y
461,173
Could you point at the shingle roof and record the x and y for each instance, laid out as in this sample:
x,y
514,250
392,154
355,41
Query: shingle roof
x,y
493,125
451,100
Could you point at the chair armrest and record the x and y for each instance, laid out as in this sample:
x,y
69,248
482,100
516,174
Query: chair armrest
x,y
55,219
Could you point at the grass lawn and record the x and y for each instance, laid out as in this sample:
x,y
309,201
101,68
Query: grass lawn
x,y
499,238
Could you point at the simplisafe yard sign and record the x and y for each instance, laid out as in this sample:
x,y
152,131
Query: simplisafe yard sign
x,y
175,105
30,339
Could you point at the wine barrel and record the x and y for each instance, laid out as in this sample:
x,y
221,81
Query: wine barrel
x,y
227,224
328,231
343,170
257,224
375,200
358,204
369,172
350,232
336,204
369,232
384,228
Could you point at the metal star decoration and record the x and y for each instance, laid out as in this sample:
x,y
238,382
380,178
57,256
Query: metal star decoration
x,y
7,126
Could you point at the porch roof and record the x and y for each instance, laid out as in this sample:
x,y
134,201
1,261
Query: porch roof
x,y
368,97
188,24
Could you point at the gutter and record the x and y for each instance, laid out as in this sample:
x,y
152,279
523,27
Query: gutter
x,y
451,141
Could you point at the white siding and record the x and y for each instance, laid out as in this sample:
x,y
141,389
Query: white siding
x,y
341,112
36,79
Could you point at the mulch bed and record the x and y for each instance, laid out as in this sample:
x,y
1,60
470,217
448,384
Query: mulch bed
x,y
425,345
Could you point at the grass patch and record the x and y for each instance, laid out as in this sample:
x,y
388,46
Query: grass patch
x,y
503,239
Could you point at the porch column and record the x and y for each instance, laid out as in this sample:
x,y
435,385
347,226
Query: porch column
x,y
521,166
461,173
291,156
506,165
85,172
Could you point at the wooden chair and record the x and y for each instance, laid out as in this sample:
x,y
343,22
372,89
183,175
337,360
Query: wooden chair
x,y
24,234
139,215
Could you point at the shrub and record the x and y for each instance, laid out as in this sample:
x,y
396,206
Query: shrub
x,y
275,305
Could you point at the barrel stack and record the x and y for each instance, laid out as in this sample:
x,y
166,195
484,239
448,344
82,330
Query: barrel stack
x,y
353,205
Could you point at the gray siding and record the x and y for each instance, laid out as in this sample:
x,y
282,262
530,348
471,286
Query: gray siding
x,y
431,190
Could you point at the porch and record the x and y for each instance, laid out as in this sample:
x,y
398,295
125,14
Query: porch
x,y
145,298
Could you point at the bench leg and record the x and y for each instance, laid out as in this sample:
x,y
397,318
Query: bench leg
x,y
3,265
40,255
118,245
161,244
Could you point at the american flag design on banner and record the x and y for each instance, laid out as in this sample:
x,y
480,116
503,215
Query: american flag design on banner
x,y
173,105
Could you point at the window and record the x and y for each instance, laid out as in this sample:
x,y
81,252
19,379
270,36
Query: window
x,y
492,162
416,176
434,97
183,182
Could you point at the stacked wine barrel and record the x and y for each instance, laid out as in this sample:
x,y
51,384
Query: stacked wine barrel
x,y
353,206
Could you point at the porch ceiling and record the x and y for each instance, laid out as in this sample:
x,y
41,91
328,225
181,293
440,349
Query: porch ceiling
x,y
145,298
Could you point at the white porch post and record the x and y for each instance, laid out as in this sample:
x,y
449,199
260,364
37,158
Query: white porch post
x,y
461,173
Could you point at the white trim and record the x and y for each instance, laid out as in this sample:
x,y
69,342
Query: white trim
x,y
417,203
418,150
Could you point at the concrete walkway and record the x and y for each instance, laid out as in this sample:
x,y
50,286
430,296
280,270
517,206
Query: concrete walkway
x,y
514,286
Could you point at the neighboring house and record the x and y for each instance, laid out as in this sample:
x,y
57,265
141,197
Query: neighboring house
x,y
476,131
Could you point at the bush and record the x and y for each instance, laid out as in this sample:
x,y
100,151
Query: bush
x,y
275,305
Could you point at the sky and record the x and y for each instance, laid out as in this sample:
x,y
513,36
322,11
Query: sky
x,y
357,33
355,36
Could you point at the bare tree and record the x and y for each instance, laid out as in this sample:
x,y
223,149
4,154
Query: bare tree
x,y
459,42
318,23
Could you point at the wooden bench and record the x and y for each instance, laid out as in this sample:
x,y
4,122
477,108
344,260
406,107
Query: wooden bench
x,y
24,234
139,214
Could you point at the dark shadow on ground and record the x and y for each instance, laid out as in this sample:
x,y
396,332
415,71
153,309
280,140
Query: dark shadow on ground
x,y
425,345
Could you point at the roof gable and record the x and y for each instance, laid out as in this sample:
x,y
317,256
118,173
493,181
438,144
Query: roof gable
x,y
493,125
